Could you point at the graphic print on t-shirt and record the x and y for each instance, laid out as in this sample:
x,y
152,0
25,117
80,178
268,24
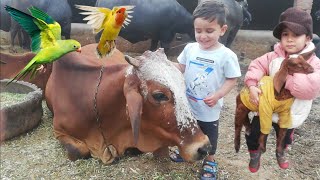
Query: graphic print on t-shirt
x,y
202,68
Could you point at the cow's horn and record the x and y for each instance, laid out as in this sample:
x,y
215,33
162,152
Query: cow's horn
x,y
134,62
161,50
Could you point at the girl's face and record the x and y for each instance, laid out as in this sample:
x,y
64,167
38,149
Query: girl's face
x,y
292,43
208,33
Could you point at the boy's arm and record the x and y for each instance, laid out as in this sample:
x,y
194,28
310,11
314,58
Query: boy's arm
x,y
181,67
305,86
227,86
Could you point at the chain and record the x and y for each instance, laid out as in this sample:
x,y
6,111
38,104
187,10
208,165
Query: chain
x,y
96,94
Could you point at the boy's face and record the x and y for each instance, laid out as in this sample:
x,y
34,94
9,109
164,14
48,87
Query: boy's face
x,y
293,43
208,33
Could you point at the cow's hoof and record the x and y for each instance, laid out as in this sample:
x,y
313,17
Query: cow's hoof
x,y
109,154
21,108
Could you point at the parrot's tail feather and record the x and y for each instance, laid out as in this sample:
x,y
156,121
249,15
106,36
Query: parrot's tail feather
x,y
34,71
99,54
107,49
18,77
10,82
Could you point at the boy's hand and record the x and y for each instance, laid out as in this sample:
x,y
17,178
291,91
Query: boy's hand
x,y
254,94
211,100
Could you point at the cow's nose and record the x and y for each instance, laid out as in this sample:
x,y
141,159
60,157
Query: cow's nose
x,y
203,151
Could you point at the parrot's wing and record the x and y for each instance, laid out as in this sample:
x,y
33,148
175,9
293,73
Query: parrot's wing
x,y
54,26
128,11
96,16
38,29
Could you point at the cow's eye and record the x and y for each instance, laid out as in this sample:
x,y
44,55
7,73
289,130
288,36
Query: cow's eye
x,y
159,96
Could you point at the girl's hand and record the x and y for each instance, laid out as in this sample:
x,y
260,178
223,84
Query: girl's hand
x,y
254,94
211,100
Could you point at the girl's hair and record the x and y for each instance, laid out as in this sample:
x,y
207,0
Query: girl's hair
x,y
211,10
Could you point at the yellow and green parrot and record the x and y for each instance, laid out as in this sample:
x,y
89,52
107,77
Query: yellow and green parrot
x,y
110,21
46,39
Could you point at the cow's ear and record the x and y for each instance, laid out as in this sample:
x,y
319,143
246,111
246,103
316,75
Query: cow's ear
x,y
134,62
134,100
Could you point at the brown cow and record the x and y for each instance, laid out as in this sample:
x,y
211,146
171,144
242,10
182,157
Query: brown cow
x,y
12,64
142,105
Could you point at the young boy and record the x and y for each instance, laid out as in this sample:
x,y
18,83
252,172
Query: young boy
x,y
211,71
295,34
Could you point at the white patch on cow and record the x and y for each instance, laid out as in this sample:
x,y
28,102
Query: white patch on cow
x,y
193,131
181,142
144,88
129,71
156,67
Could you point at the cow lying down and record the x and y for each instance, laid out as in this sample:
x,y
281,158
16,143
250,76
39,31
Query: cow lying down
x,y
141,104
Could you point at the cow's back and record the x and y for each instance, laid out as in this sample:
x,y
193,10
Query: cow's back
x,y
71,88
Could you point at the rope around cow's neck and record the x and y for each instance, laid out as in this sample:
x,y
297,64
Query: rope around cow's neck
x,y
96,94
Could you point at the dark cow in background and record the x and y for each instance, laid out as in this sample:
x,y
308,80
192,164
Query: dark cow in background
x,y
5,19
59,10
103,112
6,25
318,49
247,17
190,5
76,17
315,13
158,20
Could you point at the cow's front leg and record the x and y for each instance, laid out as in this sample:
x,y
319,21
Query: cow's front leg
x,y
76,149
162,152
99,148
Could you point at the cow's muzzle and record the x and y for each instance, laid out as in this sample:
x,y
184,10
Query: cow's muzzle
x,y
204,151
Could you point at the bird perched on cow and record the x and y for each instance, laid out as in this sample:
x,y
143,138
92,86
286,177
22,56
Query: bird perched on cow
x,y
110,21
46,39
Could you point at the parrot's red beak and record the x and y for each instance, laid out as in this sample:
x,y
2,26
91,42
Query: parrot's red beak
x,y
79,50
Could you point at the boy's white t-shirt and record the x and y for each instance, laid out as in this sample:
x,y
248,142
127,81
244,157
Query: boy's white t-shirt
x,y
205,73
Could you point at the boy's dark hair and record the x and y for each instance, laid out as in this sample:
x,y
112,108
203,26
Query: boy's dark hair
x,y
211,10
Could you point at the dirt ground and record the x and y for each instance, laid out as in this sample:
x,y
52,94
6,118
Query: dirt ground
x,y
38,155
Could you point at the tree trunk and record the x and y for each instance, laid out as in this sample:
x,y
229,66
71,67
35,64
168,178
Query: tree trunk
x,y
303,4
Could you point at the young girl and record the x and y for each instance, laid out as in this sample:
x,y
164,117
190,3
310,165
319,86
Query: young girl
x,y
295,34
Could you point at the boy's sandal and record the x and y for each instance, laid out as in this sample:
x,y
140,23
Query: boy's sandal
x,y
209,170
175,156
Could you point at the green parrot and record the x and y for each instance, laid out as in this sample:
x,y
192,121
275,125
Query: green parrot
x,y
46,39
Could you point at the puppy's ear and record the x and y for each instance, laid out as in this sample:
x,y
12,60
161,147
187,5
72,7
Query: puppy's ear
x,y
279,80
307,55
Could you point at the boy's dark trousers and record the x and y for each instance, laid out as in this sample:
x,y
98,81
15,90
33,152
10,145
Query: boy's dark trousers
x,y
211,130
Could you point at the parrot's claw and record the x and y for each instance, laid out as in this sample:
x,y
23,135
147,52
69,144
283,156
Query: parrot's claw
x,y
41,68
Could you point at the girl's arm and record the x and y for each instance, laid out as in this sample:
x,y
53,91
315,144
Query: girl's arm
x,y
257,69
